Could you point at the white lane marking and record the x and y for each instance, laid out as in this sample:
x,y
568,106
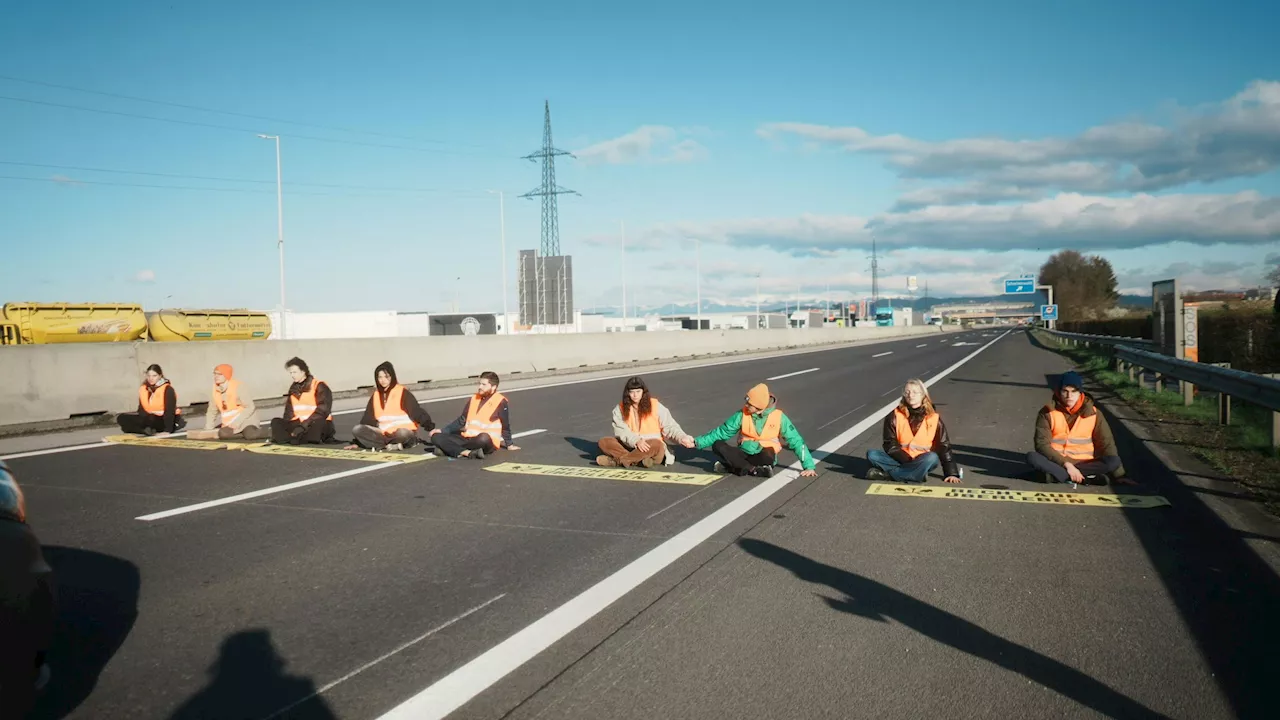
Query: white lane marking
x,y
833,422
883,354
264,491
402,648
460,686
942,341
686,497
658,371
802,372
923,345
526,433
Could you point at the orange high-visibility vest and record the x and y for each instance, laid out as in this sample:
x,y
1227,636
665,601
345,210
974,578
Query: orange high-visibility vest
x,y
1074,443
152,399
304,406
768,438
648,427
228,403
481,420
391,416
919,442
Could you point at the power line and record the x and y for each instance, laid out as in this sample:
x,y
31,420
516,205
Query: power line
x,y
234,180
73,181
184,106
215,126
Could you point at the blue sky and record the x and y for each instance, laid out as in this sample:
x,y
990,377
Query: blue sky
x,y
971,142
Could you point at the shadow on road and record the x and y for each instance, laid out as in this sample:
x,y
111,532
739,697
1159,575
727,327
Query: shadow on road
x,y
589,448
97,607
1050,382
993,462
249,682
1226,594
872,600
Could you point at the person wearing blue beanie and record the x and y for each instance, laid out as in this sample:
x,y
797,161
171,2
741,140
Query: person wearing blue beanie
x,y
1073,442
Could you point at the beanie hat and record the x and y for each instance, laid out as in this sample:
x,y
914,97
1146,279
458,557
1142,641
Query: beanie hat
x,y
224,370
1071,378
759,396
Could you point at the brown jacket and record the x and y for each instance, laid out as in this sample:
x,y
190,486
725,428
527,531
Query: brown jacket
x,y
1104,444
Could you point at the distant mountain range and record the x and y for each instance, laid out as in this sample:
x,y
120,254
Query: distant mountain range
x,y
1143,301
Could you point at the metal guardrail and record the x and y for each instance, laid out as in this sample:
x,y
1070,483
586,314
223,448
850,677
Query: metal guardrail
x,y
1108,340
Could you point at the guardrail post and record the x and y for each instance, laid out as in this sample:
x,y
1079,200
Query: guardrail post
x,y
1188,393
1224,409
1159,383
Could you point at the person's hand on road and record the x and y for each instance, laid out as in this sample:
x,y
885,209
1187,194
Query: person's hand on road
x,y
434,432
951,479
808,473
643,445
513,447
1074,473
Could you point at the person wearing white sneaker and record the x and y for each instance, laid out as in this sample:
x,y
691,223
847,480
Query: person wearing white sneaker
x,y
393,416
641,427
27,604
760,427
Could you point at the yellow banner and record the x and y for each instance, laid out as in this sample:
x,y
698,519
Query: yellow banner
x,y
165,442
327,453
1084,499
605,473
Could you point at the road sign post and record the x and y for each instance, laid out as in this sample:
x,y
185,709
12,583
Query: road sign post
x,y
1048,312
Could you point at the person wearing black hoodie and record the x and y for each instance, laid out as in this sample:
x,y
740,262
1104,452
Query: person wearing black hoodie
x,y
28,601
308,409
915,441
1073,441
393,416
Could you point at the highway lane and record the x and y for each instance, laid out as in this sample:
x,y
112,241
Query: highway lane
x,y
334,576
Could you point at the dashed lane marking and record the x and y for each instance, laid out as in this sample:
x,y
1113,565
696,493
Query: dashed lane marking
x,y
802,372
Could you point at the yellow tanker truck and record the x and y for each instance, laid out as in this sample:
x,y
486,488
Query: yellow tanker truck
x,y
47,323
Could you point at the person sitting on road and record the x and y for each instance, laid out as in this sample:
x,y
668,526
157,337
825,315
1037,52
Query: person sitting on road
x,y
231,413
759,428
393,416
1073,442
158,412
483,427
28,602
308,409
640,424
915,441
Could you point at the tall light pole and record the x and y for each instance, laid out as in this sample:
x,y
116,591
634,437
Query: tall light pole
x,y
502,220
698,272
279,230
623,227
758,321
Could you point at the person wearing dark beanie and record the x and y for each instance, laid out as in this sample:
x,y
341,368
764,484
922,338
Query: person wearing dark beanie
x,y
1073,442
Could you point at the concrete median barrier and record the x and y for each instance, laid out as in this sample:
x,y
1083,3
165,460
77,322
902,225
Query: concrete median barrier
x,y
46,383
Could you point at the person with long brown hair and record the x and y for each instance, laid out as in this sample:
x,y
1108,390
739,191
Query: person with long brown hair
x,y
641,427
915,441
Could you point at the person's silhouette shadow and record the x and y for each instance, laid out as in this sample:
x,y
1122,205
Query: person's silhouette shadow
x,y
872,600
249,682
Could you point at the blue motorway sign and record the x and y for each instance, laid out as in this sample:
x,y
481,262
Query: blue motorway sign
x,y
1048,312
1021,286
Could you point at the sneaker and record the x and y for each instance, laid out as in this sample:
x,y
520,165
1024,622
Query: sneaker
x,y
606,461
875,474
393,447
763,471
148,431
648,462
477,454
719,468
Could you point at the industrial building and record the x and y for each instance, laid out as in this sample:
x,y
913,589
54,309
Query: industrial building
x,y
546,290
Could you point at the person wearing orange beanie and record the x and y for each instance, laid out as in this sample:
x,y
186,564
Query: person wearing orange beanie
x,y
760,428
231,411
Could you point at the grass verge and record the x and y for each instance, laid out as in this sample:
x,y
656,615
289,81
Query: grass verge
x,y
1241,450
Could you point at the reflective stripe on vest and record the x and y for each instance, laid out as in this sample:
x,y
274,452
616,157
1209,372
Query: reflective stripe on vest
x,y
152,399
650,426
1074,443
304,406
228,403
481,420
768,438
919,442
391,416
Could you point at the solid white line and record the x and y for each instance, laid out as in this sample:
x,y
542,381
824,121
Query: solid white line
x,y
265,491
506,392
460,686
833,422
924,345
403,647
883,354
802,372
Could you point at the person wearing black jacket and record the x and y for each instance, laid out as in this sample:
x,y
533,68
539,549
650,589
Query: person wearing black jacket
x,y
308,409
915,441
154,414
472,434
393,416
28,602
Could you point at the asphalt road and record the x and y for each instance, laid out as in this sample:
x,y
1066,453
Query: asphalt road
x,y
346,598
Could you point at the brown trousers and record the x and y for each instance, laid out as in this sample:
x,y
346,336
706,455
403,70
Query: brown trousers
x,y
612,447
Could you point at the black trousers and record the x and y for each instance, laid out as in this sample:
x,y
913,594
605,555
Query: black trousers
x,y
740,462
453,445
320,432
136,424
370,437
1098,466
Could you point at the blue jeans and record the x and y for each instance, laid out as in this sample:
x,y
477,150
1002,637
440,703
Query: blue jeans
x,y
915,471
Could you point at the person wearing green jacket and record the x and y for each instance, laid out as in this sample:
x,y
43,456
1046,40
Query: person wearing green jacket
x,y
760,428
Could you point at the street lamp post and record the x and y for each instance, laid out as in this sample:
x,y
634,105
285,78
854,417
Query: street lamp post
x,y
502,220
279,230
698,272
622,227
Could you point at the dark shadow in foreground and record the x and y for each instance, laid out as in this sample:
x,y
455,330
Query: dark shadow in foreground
x,y
249,682
872,600
97,607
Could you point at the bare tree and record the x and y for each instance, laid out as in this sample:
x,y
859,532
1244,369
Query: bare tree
x,y
1083,287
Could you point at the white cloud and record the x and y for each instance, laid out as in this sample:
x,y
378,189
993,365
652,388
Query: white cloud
x,y
64,180
145,276
1211,275
645,144
1238,137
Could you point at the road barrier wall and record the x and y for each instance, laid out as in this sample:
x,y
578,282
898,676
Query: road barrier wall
x,y
54,382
